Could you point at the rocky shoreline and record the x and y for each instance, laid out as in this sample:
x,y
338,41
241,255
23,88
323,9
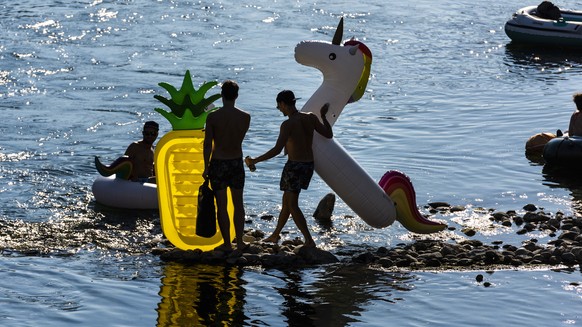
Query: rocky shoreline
x,y
457,248
564,249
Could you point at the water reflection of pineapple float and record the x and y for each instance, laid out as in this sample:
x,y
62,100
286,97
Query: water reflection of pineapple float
x,y
179,163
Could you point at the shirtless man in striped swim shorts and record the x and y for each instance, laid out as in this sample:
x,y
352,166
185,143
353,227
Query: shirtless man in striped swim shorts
x,y
296,136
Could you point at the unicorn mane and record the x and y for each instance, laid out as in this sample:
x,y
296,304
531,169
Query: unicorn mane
x,y
363,82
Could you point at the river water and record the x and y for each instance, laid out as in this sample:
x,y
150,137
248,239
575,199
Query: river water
x,y
450,103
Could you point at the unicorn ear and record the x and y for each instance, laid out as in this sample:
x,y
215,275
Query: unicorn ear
x,y
353,50
339,33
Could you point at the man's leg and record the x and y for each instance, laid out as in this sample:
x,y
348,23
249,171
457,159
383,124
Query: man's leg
x,y
223,221
299,218
283,217
238,217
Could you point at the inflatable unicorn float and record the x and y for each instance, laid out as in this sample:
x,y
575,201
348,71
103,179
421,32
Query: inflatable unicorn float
x,y
346,69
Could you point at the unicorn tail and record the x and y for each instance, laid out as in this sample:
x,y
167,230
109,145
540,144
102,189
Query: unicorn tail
x,y
122,168
399,188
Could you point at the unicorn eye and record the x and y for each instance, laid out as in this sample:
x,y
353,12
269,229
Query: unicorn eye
x,y
332,56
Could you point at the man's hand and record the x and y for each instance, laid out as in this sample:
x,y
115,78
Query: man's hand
x,y
324,109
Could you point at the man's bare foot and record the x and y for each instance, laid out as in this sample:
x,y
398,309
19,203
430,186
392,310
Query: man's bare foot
x,y
242,247
224,248
272,239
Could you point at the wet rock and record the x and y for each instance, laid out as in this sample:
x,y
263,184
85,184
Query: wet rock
x,y
315,256
436,205
464,262
324,209
567,226
506,223
568,258
531,217
177,255
521,231
160,251
529,227
386,262
382,251
250,259
492,257
472,243
454,249
577,252
530,207
531,246
569,235
364,258
272,260
500,216
432,259
469,231
457,208
522,252
518,220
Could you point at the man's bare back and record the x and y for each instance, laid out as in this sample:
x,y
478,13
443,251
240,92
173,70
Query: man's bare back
x,y
227,126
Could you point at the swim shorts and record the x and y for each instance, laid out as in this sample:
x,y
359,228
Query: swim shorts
x,y
296,176
225,173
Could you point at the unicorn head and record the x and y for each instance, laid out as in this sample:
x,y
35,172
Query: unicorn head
x,y
345,69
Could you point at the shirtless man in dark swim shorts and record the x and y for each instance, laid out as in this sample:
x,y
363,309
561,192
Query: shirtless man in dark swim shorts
x,y
225,130
296,136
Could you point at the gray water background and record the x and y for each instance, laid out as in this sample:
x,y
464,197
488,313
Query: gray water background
x,y
450,103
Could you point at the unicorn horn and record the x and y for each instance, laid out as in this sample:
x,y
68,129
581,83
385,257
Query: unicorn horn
x,y
339,33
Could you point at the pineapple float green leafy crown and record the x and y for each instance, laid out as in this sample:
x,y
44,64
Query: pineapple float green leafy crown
x,y
187,105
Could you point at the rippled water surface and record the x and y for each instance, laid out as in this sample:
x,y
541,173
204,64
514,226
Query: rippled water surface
x,y
450,102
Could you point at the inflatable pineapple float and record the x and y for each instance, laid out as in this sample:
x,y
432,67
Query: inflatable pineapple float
x,y
179,163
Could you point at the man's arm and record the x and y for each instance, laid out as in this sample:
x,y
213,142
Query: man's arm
x,y
131,153
247,123
207,145
279,145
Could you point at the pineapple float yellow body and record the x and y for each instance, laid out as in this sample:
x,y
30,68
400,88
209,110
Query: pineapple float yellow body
x,y
179,163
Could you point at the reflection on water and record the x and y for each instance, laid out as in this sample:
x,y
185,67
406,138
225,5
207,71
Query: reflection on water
x,y
343,293
550,63
569,178
336,295
201,295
